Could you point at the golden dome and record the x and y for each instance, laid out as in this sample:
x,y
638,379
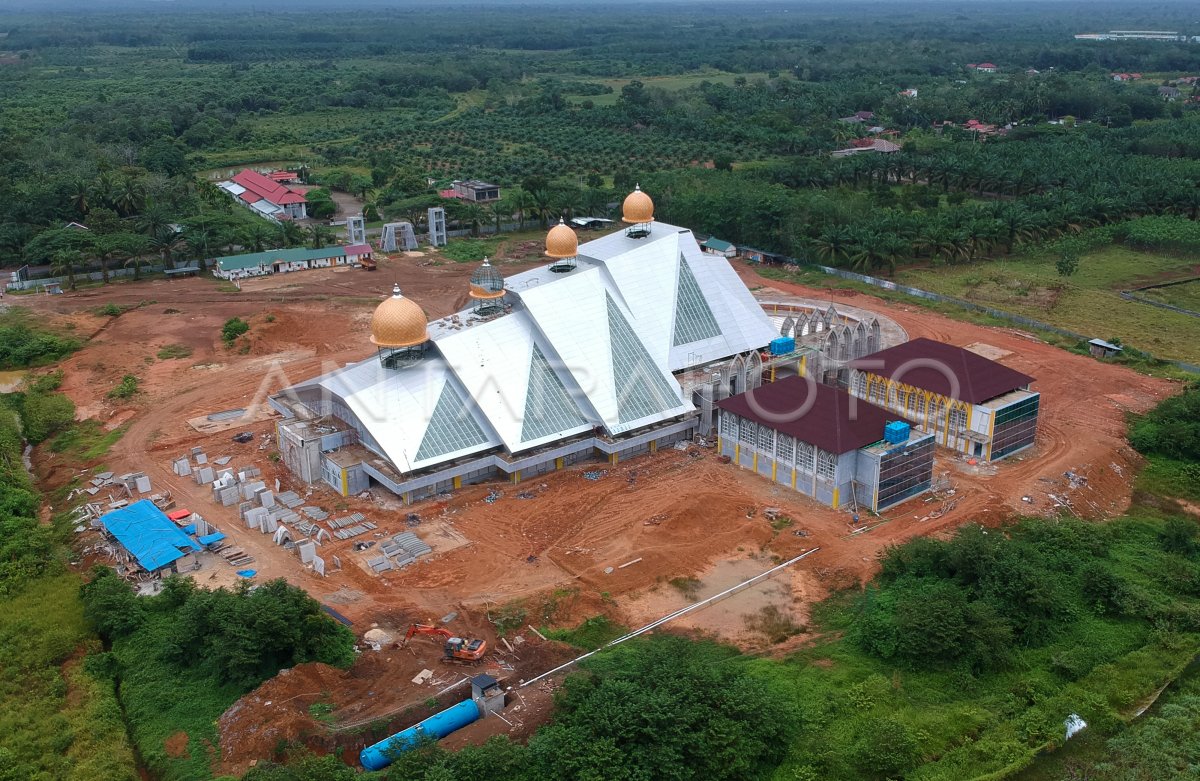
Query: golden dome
x,y
487,282
637,207
398,322
561,241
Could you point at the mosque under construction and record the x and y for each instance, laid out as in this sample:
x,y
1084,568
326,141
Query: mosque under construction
x,y
617,347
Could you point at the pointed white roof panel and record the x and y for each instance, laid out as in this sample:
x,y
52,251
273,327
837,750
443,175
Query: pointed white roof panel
x,y
398,408
494,361
576,315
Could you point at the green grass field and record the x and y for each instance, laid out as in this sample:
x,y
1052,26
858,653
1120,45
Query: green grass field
x,y
1186,295
1087,302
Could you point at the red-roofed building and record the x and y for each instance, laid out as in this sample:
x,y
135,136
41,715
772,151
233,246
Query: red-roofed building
x,y
984,67
267,197
821,441
971,403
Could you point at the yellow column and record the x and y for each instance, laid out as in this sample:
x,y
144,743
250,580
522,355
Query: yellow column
x,y
458,481
345,483
558,463
515,476
772,372
654,446
737,451
991,433
774,467
835,498
614,458
755,460
793,478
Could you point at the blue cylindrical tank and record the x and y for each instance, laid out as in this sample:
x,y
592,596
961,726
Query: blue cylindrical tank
x,y
437,726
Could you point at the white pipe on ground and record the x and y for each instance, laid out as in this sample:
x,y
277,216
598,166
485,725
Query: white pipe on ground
x,y
672,616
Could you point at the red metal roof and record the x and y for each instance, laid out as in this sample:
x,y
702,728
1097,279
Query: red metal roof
x,y
262,186
945,369
283,176
250,197
359,249
821,415
447,194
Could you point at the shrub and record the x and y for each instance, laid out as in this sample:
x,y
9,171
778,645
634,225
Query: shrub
x,y
233,328
109,310
44,414
127,388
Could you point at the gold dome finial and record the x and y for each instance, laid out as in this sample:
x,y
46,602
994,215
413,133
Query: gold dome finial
x,y
637,208
561,241
398,322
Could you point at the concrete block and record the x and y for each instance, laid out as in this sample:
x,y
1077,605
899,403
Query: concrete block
x,y
249,489
308,552
143,484
270,525
182,467
266,498
201,458
206,475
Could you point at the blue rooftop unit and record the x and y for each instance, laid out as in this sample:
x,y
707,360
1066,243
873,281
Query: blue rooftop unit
x,y
783,345
147,533
896,432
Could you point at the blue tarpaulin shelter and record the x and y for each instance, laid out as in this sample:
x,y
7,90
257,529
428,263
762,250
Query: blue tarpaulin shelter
x,y
148,534
209,539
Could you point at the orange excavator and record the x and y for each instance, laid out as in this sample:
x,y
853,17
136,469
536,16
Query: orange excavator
x,y
457,650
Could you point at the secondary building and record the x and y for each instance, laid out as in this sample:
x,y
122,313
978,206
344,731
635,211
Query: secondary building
x,y
615,348
150,539
475,191
261,194
824,443
282,261
970,403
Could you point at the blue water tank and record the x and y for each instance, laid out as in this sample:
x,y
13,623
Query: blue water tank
x,y
783,345
895,432
437,726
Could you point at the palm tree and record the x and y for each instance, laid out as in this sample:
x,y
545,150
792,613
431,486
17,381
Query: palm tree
x,y
154,221
542,199
318,235
832,244
80,198
166,243
199,239
129,196
132,248
499,211
472,213
65,262
292,234
519,202
256,236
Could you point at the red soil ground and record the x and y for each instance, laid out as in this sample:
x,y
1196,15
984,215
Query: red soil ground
x,y
682,514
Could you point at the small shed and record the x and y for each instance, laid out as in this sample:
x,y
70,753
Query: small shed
x,y
1102,349
715,246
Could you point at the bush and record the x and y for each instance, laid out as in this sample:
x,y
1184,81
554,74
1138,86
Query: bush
x,y
109,310
44,414
233,328
126,389
21,347
1171,429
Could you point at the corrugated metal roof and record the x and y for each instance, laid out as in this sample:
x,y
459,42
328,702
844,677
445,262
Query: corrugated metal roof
x,y
148,534
294,255
944,369
821,415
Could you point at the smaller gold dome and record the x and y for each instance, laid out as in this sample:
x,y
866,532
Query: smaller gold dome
x,y
638,207
561,241
486,282
399,322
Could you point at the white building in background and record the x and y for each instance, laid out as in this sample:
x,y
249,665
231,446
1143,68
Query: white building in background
x,y
617,347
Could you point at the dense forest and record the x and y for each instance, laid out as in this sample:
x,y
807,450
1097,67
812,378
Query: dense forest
x,y
108,115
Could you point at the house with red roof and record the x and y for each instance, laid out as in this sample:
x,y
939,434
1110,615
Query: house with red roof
x,y
270,198
984,67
